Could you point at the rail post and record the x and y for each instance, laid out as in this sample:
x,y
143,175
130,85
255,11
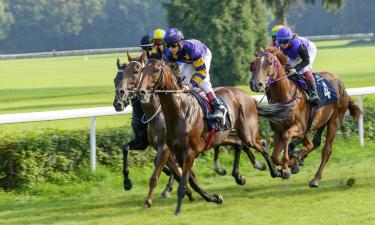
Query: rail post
x,y
92,144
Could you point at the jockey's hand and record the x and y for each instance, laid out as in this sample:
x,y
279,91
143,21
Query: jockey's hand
x,y
291,71
186,87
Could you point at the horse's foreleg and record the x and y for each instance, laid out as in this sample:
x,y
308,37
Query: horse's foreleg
x,y
194,184
250,155
288,134
125,168
187,165
235,172
161,159
333,123
262,148
294,161
168,188
217,169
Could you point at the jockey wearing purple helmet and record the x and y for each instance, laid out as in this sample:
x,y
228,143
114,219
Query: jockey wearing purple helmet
x,y
301,54
196,59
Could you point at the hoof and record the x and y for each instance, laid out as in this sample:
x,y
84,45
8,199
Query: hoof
x,y
314,183
240,180
191,198
221,171
128,185
285,174
219,199
177,213
259,166
165,194
148,204
294,169
301,162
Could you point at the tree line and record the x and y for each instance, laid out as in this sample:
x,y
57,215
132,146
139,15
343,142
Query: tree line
x,y
232,29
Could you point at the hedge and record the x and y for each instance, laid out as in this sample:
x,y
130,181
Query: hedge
x,y
54,155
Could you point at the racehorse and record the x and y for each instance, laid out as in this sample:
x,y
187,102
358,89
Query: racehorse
x,y
186,129
122,98
269,76
126,82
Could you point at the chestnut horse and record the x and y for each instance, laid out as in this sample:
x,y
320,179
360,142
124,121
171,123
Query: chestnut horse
x,y
269,76
126,82
186,128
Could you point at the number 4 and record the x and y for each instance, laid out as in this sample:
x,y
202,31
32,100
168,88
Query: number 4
x,y
326,90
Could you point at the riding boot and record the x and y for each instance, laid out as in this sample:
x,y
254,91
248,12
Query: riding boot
x,y
314,97
218,109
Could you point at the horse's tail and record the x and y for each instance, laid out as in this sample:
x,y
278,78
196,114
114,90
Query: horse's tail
x,y
275,112
354,110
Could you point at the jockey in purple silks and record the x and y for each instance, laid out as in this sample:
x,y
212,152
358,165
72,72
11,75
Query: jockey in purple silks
x,y
196,59
301,54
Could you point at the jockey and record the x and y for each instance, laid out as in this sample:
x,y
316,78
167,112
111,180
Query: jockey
x,y
273,35
146,46
157,40
196,59
301,55
140,140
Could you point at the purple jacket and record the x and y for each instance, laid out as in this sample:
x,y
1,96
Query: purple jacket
x,y
292,51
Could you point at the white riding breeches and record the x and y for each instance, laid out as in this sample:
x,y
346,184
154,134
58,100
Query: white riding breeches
x,y
188,70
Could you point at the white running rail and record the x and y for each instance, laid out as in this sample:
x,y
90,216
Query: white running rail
x,y
108,111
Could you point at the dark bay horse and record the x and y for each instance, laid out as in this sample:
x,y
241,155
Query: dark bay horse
x,y
269,76
123,96
185,126
128,81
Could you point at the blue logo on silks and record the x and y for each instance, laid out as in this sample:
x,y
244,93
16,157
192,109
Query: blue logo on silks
x,y
325,90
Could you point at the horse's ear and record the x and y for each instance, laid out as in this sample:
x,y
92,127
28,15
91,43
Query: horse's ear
x,y
261,49
256,54
141,57
118,63
129,57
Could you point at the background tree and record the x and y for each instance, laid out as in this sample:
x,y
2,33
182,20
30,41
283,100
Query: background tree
x,y
6,19
281,7
232,29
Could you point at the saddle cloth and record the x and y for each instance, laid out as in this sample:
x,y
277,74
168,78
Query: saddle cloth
x,y
324,87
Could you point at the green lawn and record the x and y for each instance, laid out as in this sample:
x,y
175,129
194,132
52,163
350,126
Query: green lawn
x,y
30,85
262,200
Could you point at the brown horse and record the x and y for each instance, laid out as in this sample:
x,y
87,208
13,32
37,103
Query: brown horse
x,y
156,132
185,126
126,83
269,76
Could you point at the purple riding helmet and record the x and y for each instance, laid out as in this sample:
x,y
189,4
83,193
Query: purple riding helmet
x,y
173,35
284,33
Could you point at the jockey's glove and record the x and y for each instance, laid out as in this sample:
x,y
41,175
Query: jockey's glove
x,y
291,71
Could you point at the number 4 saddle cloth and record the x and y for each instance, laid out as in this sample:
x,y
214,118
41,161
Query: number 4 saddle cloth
x,y
324,87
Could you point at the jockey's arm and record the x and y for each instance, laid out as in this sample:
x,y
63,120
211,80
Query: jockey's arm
x,y
304,55
200,72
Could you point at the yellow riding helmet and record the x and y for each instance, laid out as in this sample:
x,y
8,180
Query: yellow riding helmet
x,y
158,35
275,29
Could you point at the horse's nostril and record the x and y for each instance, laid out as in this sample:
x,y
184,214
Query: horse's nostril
x,y
260,84
122,93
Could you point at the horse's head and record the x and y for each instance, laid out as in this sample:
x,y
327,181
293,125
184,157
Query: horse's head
x,y
265,69
127,81
157,75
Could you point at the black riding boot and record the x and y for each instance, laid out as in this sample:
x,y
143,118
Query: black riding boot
x,y
314,97
218,110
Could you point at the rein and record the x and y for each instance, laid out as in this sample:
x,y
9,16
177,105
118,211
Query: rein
x,y
152,117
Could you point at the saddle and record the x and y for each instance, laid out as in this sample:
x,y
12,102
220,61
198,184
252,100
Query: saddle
x,y
213,124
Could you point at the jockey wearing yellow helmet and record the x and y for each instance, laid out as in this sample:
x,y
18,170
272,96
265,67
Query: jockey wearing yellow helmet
x,y
157,40
273,35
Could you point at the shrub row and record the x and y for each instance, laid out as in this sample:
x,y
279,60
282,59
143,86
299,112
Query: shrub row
x,y
55,155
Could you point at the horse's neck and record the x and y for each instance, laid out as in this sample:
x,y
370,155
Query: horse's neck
x,y
283,91
150,108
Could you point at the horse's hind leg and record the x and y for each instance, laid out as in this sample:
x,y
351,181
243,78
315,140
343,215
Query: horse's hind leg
x,y
235,172
194,184
250,155
217,169
332,125
166,193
